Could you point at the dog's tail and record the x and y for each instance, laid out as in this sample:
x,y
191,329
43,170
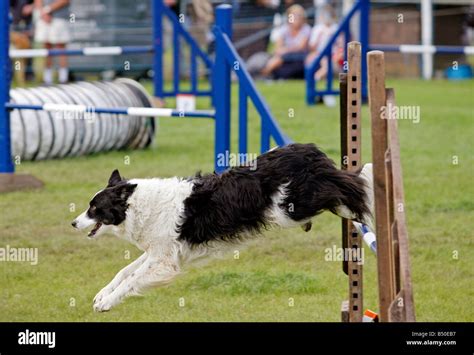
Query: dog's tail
x,y
357,196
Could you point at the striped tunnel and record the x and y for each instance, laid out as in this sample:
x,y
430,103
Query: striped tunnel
x,y
60,122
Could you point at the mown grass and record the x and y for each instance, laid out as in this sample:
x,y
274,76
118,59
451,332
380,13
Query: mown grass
x,y
282,276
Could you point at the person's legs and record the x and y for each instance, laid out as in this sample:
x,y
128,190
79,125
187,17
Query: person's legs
x,y
63,65
290,70
274,63
60,36
48,70
42,37
310,57
322,71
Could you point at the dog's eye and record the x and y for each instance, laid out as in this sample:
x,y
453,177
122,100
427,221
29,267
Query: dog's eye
x,y
92,208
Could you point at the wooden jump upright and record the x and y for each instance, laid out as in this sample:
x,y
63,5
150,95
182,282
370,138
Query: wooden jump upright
x,y
351,102
394,272
396,302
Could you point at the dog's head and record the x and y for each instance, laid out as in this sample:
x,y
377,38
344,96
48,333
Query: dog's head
x,y
107,208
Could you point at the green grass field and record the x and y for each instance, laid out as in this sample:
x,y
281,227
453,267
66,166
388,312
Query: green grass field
x,y
281,276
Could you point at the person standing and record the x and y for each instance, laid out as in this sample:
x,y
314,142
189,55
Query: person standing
x,y
52,31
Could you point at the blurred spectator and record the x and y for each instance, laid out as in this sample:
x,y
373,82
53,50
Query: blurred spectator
x,y
173,5
202,21
21,11
321,33
291,47
204,11
20,35
288,3
52,30
253,18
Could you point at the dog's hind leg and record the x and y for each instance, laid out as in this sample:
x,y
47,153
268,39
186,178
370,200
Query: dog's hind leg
x,y
120,277
153,272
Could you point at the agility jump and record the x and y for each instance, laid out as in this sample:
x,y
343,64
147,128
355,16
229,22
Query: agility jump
x,y
396,302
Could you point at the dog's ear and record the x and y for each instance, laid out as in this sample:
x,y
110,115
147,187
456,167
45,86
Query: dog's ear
x,y
114,179
125,190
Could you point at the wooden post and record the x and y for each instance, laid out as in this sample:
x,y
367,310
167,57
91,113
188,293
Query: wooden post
x,y
345,223
377,103
393,264
402,307
344,148
353,122
351,101
390,102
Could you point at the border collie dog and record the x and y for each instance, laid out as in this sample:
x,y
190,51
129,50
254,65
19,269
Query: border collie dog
x,y
176,221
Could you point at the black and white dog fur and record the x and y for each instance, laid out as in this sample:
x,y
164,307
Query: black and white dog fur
x,y
176,221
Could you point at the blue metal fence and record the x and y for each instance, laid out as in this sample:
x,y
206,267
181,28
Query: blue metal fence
x,y
361,7
6,164
228,59
178,33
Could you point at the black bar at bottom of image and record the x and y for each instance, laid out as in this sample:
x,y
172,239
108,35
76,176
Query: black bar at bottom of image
x,y
455,338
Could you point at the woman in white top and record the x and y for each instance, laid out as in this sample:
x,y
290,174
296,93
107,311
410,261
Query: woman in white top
x,y
292,45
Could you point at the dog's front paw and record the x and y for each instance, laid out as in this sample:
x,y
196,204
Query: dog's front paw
x,y
102,294
307,226
105,304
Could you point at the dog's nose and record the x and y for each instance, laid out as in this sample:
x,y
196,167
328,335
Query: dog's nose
x,y
74,223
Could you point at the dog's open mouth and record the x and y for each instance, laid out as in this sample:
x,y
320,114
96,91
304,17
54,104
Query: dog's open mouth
x,y
94,230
